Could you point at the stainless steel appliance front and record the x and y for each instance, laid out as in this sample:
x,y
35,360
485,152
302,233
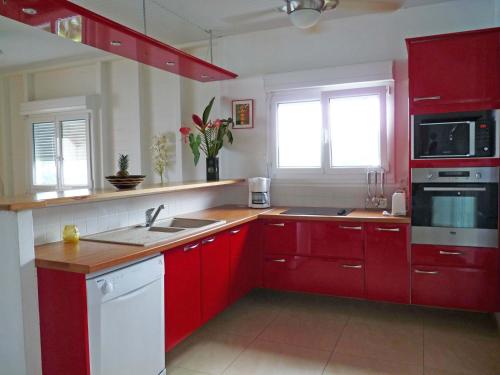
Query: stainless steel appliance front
x,y
455,206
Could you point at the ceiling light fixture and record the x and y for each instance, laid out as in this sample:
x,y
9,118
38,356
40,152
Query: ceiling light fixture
x,y
204,76
30,11
170,63
115,43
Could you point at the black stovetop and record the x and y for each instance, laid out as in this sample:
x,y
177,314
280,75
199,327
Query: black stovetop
x,y
318,211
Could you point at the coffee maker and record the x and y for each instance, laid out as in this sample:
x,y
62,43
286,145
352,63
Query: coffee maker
x,y
259,195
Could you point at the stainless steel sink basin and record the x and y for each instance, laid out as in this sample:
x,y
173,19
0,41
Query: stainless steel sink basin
x,y
179,222
162,231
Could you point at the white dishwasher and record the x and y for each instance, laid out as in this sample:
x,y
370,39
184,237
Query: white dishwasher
x,y
126,317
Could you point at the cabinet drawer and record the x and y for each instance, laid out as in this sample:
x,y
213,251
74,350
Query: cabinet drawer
x,y
315,275
337,239
454,256
286,237
454,287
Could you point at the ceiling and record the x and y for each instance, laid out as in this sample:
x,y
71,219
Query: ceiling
x,y
177,22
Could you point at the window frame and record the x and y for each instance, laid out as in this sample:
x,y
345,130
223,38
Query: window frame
x,y
57,119
327,173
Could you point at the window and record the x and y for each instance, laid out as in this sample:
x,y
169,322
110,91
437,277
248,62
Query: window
x,y
61,152
335,132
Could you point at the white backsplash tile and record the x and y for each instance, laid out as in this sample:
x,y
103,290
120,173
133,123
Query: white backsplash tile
x,y
101,216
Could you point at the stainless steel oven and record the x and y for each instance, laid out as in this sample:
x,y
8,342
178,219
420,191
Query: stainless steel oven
x,y
455,206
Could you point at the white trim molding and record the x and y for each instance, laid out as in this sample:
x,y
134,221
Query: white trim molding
x,y
69,104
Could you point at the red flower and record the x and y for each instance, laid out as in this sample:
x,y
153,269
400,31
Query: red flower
x,y
185,131
197,120
217,123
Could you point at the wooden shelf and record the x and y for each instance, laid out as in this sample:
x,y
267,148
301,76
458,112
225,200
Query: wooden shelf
x,y
59,198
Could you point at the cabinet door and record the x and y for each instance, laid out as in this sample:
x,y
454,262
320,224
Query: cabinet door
x,y
387,268
454,287
337,239
214,275
315,275
243,263
453,72
182,293
286,237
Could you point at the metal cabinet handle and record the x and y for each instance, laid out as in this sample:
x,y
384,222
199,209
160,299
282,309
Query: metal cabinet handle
x,y
423,98
235,231
387,229
350,228
191,247
277,224
442,252
208,240
278,260
427,272
357,266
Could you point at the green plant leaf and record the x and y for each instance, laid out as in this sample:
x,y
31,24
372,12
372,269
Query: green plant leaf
x,y
208,109
194,143
230,136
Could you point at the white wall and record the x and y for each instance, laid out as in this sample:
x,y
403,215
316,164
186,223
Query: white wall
x,y
338,42
136,102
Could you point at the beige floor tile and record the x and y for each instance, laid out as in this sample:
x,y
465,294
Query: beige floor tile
x,y
244,318
383,340
454,350
183,371
310,307
207,352
345,364
321,334
433,371
386,312
269,358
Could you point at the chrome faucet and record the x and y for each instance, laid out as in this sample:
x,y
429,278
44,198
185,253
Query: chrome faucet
x,y
152,215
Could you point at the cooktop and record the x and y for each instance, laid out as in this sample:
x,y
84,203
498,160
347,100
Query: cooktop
x,y
319,211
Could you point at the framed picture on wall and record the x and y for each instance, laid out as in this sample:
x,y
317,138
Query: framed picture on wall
x,y
243,114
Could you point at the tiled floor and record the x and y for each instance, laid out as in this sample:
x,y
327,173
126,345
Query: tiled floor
x,y
270,333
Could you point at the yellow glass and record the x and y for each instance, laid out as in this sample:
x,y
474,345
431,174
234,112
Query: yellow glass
x,y
71,234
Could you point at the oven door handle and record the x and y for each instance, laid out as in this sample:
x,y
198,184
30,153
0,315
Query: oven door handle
x,y
454,189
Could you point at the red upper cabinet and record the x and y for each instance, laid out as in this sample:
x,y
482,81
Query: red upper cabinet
x,y
387,262
214,275
182,293
454,72
337,239
286,237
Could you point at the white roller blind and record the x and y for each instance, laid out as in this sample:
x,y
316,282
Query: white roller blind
x,y
74,134
44,153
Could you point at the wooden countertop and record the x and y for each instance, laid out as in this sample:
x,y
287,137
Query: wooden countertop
x,y
59,198
356,215
89,257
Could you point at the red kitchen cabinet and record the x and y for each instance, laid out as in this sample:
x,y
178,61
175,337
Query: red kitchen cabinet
x,y
387,263
182,293
455,256
286,237
454,72
454,287
337,239
244,262
215,275
315,275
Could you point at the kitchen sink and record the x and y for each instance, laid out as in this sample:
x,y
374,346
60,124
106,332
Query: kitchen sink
x,y
163,231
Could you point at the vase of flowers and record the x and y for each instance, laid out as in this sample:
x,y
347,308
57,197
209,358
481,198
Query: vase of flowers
x,y
208,138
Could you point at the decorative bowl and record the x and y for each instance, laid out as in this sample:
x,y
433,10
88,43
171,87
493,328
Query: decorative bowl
x,y
125,183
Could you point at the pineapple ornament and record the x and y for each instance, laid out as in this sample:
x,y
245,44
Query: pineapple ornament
x,y
123,180
122,165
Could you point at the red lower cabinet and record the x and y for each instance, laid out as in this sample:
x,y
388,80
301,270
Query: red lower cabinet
x,y
244,262
387,263
215,275
454,287
182,293
315,275
337,239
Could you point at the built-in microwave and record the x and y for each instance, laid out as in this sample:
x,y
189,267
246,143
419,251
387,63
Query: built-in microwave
x,y
455,135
